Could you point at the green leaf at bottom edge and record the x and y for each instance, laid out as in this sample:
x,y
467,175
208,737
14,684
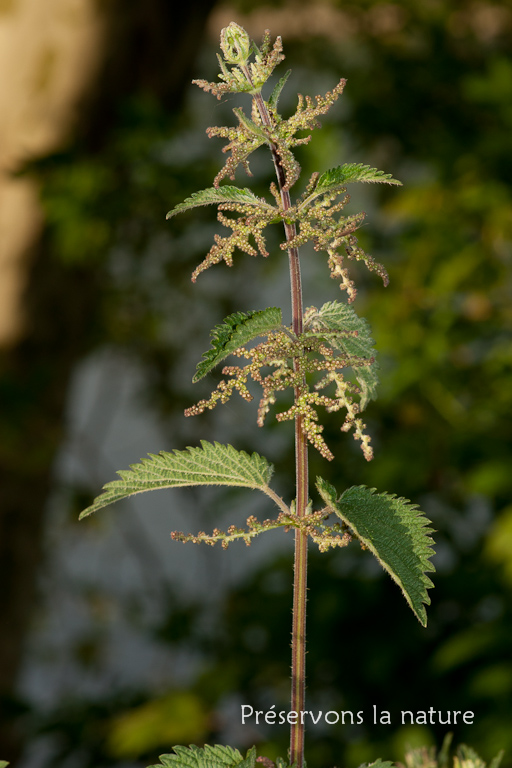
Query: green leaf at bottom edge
x,y
378,764
207,757
395,531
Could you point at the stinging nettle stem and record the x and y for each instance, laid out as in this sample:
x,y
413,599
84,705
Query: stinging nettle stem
x,y
298,691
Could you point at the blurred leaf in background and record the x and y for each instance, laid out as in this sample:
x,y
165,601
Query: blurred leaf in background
x,y
178,718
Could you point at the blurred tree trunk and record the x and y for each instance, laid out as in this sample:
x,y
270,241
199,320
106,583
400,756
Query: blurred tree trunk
x,y
80,57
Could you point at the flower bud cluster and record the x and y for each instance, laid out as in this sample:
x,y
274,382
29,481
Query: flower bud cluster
x,y
237,73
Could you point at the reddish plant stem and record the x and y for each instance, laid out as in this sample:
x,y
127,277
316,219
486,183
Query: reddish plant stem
x,y
298,691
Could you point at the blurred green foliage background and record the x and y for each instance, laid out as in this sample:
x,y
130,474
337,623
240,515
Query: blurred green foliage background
x,y
429,99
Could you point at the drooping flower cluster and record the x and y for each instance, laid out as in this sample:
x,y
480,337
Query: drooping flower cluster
x,y
249,224
318,223
280,134
312,355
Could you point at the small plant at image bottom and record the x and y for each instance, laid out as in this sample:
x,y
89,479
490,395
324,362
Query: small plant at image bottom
x,y
464,757
324,358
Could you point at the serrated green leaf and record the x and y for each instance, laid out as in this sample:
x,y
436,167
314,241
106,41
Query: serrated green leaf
x,y
207,757
395,531
336,316
211,464
3,764
350,172
337,178
217,195
274,98
236,330
378,764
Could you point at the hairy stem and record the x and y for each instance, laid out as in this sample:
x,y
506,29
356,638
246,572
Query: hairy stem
x,y
298,691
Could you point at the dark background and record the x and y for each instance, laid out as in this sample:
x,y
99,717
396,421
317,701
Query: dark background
x,y
428,99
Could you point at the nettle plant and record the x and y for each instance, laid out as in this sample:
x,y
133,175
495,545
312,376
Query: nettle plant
x,y
325,358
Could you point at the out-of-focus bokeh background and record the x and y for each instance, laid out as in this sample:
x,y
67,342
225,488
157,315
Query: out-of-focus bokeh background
x,y
115,642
